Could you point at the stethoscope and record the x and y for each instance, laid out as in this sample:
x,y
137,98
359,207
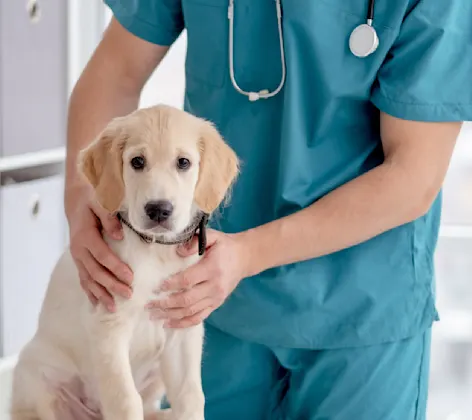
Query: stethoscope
x,y
362,43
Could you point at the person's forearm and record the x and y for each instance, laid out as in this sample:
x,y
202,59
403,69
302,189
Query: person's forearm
x,y
384,198
100,95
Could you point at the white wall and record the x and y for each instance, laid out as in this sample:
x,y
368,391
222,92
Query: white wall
x,y
167,84
88,19
84,32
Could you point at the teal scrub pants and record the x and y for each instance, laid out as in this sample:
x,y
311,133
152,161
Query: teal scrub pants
x,y
248,381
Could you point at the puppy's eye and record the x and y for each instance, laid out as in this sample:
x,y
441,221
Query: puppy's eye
x,y
138,163
183,164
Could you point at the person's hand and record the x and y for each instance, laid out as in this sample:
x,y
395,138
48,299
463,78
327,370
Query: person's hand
x,y
200,289
100,270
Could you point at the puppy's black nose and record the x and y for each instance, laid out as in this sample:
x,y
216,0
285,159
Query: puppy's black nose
x,y
159,211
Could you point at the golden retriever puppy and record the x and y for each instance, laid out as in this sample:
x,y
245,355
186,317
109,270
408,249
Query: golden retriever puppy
x,y
162,171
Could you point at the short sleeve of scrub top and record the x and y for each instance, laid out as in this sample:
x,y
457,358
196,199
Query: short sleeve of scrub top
x,y
427,75
158,22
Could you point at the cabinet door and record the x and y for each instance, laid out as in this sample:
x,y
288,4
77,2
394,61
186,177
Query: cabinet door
x,y
31,241
33,75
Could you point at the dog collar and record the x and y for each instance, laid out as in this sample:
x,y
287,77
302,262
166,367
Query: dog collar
x,y
196,227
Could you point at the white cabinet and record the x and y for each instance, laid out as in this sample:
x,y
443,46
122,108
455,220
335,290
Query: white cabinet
x,y
33,75
31,241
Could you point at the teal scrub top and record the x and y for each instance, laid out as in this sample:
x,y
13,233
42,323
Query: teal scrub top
x,y
319,132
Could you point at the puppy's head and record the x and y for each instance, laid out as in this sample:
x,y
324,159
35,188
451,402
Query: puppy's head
x,y
160,165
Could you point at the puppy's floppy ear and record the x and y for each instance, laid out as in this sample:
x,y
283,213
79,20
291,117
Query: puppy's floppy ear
x,y
102,165
219,167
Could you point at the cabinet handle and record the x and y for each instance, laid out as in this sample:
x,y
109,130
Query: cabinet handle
x,y
35,206
34,11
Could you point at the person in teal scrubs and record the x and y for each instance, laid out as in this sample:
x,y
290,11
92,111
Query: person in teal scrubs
x,y
317,289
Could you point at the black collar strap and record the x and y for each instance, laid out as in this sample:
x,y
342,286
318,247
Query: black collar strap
x,y
197,227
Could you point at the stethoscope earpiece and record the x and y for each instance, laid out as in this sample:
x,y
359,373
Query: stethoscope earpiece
x,y
363,40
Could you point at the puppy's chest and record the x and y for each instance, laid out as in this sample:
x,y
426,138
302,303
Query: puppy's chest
x,y
151,266
146,348
149,336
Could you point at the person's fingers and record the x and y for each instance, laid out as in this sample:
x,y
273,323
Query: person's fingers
x,y
84,283
105,298
95,292
189,321
188,278
103,277
107,258
180,313
184,299
91,297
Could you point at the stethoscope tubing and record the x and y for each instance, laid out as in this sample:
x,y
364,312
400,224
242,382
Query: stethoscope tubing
x,y
266,93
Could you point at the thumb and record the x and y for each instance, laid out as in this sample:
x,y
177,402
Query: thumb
x,y
110,223
112,226
191,247
188,248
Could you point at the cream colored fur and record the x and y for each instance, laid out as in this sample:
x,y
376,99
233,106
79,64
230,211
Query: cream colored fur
x,y
86,363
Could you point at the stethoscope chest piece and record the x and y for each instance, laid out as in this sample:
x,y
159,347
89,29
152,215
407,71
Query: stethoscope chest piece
x,y
363,40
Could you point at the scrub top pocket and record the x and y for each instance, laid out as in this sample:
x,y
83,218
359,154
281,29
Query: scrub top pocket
x,y
326,49
206,24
